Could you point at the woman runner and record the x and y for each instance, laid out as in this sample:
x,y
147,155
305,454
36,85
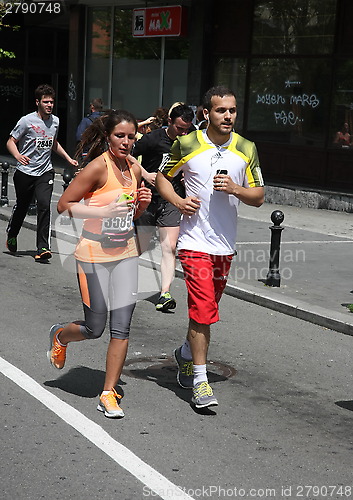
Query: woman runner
x,y
106,254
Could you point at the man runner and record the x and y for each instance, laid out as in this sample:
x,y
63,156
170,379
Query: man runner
x,y
31,143
220,169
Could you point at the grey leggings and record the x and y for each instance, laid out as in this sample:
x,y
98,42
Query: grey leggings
x,y
110,286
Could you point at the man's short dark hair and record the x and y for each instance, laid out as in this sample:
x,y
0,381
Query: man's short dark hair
x,y
42,90
97,103
220,91
183,111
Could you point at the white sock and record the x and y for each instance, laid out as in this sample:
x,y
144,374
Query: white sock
x,y
60,343
104,393
186,351
200,374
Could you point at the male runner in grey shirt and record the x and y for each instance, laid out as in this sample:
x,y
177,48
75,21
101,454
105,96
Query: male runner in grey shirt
x,y
31,143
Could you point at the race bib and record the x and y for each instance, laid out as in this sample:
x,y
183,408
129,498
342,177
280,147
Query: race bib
x,y
44,143
118,225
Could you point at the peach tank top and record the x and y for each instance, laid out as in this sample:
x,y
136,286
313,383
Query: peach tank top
x,y
88,250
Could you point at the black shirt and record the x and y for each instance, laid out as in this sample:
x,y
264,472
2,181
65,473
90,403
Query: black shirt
x,y
153,147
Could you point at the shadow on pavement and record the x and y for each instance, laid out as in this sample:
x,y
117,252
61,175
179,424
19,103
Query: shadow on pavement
x,y
163,372
347,405
24,253
80,381
148,297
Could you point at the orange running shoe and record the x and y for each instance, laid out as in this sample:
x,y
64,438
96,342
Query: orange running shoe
x,y
57,352
109,404
43,255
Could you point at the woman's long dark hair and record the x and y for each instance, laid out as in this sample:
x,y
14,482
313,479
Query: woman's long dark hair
x,y
94,139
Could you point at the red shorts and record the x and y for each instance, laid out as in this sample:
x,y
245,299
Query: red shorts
x,y
205,277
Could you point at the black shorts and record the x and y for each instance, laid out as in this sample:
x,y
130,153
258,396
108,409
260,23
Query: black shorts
x,y
161,214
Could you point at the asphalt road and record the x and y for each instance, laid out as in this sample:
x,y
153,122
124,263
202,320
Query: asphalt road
x,y
283,427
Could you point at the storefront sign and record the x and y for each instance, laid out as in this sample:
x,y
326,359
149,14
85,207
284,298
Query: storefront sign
x,y
159,21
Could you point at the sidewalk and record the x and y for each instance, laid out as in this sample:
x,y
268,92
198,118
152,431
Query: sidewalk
x,y
316,263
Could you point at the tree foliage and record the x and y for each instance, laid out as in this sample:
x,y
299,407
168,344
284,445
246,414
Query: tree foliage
x,y
294,27
4,25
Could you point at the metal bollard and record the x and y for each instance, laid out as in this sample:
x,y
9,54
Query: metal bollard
x,y
4,200
67,177
273,277
65,220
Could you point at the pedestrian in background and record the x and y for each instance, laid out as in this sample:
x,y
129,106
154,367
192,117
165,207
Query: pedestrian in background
x,y
161,117
143,126
201,123
220,168
96,109
106,254
158,120
153,148
31,143
343,138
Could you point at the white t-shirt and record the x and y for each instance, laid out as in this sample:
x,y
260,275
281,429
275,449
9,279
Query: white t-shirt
x,y
35,139
212,229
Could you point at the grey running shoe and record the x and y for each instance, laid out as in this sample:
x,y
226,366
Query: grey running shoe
x,y
203,395
165,302
185,375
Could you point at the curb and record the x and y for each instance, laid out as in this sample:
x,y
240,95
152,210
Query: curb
x,y
296,308
299,309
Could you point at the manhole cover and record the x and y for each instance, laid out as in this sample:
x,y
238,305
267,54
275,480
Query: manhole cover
x,y
164,369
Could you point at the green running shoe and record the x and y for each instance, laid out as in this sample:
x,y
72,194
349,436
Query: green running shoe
x,y
11,244
165,302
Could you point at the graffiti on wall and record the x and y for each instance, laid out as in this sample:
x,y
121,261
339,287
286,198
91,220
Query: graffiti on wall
x,y
72,89
288,107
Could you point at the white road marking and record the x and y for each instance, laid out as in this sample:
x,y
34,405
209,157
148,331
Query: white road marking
x,y
153,480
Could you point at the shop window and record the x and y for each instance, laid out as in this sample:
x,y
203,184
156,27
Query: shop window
x,y
98,54
40,53
294,27
341,130
232,73
288,100
345,28
175,70
136,64
137,68
232,31
62,46
126,71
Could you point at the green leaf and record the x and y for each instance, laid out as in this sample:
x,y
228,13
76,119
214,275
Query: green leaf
x,y
6,53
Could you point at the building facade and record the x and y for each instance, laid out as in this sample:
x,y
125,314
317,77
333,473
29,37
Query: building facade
x,y
290,64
